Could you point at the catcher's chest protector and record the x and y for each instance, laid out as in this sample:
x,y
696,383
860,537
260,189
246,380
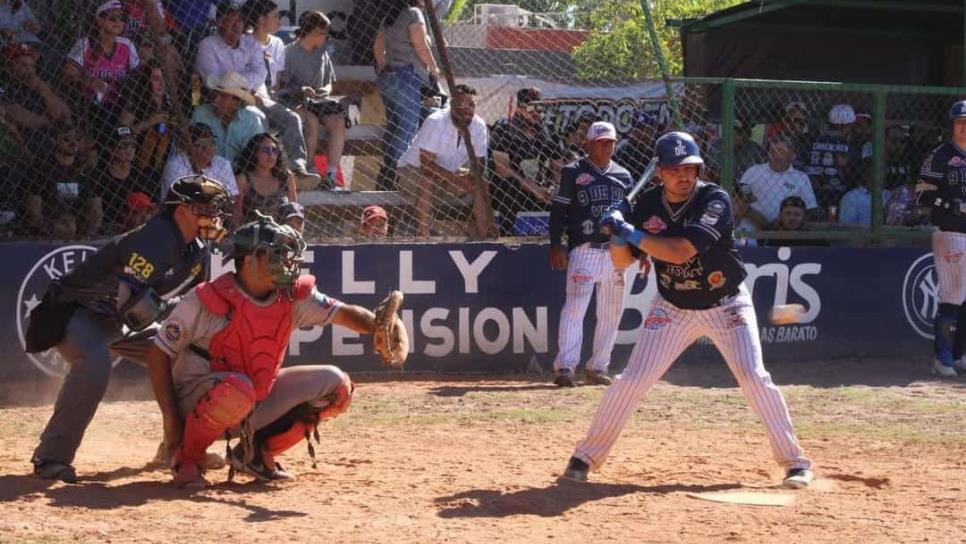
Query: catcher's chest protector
x,y
255,340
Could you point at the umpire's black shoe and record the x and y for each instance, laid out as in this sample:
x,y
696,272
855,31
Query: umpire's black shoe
x,y
564,377
576,470
52,470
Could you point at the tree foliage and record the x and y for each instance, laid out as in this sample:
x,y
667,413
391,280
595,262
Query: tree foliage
x,y
619,47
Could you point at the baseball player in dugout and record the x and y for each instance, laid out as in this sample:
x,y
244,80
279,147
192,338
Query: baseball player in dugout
x,y
215,365
132,281
588,187
685,225
941,187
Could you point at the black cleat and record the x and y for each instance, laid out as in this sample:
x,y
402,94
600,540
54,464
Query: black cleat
x,y
564,377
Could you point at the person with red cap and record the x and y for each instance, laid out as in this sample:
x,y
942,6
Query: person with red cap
x,y
375,222
32,102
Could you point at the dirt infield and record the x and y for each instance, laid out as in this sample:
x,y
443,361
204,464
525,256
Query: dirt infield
x,y
461,459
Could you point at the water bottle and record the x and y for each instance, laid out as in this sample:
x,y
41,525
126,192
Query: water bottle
x,y
161,128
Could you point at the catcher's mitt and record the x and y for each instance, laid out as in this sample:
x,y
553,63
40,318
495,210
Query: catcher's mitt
x,y
390,339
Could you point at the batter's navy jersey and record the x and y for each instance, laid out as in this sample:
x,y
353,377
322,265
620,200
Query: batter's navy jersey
x,y
585,192
154,255
706,220
945,167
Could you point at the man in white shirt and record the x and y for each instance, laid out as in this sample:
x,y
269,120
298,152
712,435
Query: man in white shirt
x,y
436,161
231,50
776,180
200,158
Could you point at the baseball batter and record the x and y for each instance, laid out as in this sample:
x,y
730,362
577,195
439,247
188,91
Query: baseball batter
x,y
942,186
685,225
132,280
216,361
588,187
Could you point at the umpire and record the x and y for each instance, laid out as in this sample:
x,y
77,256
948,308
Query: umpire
x,y
129,281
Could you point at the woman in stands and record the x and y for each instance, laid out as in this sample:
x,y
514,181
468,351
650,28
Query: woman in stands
x,y
147,108
99,61
264,183
404,63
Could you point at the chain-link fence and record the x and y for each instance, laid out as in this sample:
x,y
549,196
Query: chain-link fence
x,y
362,119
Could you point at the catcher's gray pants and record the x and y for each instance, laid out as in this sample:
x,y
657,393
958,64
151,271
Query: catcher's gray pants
x,y
294,386
289,126
90,343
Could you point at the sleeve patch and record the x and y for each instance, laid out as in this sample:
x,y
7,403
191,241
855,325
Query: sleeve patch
x,y
172,331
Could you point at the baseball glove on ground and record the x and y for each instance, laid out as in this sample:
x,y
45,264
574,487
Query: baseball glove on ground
x,y
390,339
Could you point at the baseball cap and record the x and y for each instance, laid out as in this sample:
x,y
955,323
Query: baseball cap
x,y
198,131
290,210
138,201
796,105
373,212
601,130
16,50
119,134
527,95
795,201
110,5
225,7
841,114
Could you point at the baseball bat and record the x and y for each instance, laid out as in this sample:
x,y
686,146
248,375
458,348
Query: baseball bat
x,y
632,195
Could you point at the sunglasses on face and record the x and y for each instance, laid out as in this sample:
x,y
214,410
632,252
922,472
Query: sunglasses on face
x,y
268,150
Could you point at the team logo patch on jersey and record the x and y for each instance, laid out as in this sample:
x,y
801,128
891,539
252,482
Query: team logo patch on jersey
x,y
581,276
953,257
587,227
956,161
716,279
172,331
584,179
654,225
716,207
710,219
51,266
657,320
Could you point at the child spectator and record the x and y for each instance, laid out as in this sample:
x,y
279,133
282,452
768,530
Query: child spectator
x,y
264,184
375,222
791,218
293,215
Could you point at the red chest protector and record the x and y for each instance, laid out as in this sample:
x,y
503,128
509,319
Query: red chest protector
x,y
255,340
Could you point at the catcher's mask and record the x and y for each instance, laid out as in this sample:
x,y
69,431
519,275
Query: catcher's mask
x,y
207,199
282,244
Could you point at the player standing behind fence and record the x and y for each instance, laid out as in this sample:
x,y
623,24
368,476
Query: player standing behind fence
x,y
942,187
687,230
588,187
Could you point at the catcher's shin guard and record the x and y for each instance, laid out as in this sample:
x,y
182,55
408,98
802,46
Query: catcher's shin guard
x,y
224,406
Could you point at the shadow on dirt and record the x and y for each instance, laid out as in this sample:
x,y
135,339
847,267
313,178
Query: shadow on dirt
x,y
461,390
551,501
91,493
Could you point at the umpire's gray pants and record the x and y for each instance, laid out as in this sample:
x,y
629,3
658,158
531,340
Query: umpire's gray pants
x,y
90,343
289,126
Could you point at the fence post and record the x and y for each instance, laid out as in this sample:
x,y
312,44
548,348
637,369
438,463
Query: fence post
x,y
672,100
727,173
878,159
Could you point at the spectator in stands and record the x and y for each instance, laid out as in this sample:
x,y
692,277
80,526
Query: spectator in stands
x,y
33,103
191,19
99,61
309,75
520,154
53,192
434,166
900,167
404,62
147,108
293,214
635,151
747,152
114,181
199,158
17,23
793,123
232,115
375,222
861,137
742,201
829,160
856,205
572,144
144,17
230,50
774,181
791,218
264,183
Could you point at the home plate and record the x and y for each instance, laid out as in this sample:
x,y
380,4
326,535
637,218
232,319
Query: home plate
x,y
748,498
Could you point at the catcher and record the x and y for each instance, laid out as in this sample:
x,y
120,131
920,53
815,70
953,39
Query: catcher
x,y
216,362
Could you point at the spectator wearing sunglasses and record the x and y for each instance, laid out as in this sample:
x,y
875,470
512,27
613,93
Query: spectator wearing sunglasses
x,y
114,181
199,158
264,183
98,62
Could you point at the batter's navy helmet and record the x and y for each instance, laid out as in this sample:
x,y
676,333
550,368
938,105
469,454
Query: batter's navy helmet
x,y
677,148
958,110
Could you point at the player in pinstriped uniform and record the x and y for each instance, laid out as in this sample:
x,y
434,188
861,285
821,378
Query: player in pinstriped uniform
x,y
686,228
588,187
942,186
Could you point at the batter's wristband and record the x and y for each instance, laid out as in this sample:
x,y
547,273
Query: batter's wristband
x,y
635,238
